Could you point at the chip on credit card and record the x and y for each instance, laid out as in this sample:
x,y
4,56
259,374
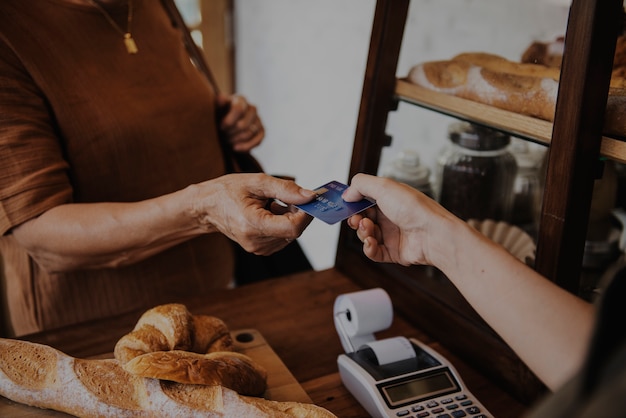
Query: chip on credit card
x,y
329,207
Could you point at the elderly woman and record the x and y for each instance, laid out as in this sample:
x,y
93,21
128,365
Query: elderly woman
x,y
114,194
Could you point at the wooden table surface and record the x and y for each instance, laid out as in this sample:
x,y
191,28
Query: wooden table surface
x,y
294,315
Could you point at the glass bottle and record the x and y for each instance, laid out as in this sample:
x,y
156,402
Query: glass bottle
x,y
527,187
476,173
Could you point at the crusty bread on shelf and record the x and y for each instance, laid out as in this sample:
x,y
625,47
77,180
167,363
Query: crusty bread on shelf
x,y
156,378
524,88
551,53
500,64
526,94
545,53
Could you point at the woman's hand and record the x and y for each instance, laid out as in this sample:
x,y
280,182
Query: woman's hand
x,y
111,234
240,122
243,207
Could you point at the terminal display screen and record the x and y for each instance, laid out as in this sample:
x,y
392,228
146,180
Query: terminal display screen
x,y
420,387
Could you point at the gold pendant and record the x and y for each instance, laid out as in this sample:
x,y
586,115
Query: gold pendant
x,y
131,46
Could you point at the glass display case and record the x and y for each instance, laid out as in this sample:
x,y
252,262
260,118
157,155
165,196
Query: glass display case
x,y
576,143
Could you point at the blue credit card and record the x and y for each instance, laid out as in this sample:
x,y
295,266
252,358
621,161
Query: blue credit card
x,y
329,207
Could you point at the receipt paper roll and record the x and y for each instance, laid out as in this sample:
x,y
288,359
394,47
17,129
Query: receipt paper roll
x,y
359,314
391,350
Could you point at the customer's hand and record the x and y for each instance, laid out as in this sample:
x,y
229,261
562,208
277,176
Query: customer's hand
x,y
242,207
240,123
547,326
398,228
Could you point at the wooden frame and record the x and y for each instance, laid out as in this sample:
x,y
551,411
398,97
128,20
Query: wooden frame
x,y
216,27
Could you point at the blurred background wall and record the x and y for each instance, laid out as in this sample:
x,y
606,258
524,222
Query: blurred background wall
x,y
302,63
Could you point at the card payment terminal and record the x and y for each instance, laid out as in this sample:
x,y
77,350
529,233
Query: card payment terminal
x,y
399,377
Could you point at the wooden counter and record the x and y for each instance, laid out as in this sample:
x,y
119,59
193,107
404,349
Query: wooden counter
x,y
294,315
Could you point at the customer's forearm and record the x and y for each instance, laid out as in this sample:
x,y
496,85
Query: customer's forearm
x,y
548,327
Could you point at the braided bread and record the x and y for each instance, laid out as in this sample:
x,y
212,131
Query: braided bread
x,y
169,343
173,327
229,369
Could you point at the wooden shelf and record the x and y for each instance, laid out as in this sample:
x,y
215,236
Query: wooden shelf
x,y
533,129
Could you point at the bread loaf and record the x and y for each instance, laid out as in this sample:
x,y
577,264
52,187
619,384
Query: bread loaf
x,y
500,64
551,53
545,53
529,95
524,88
41,376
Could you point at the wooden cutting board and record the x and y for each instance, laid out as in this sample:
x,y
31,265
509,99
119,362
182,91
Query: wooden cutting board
x,y
281,385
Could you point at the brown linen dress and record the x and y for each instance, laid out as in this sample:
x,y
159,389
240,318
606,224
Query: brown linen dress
x,y
81,120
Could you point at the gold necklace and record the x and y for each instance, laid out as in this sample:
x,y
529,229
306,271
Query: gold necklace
x,y
131,46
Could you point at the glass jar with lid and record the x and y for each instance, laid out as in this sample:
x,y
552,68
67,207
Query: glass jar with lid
x,y
476,173
407,168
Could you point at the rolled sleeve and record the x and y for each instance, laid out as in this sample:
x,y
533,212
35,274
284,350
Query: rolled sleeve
x,y
33,173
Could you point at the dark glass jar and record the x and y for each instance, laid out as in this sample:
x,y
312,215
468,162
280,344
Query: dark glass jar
x,y
476,173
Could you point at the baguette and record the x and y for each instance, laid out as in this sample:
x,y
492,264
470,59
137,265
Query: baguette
x,y
41,376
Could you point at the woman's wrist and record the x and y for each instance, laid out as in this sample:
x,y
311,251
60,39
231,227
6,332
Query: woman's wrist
x,y
195,201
